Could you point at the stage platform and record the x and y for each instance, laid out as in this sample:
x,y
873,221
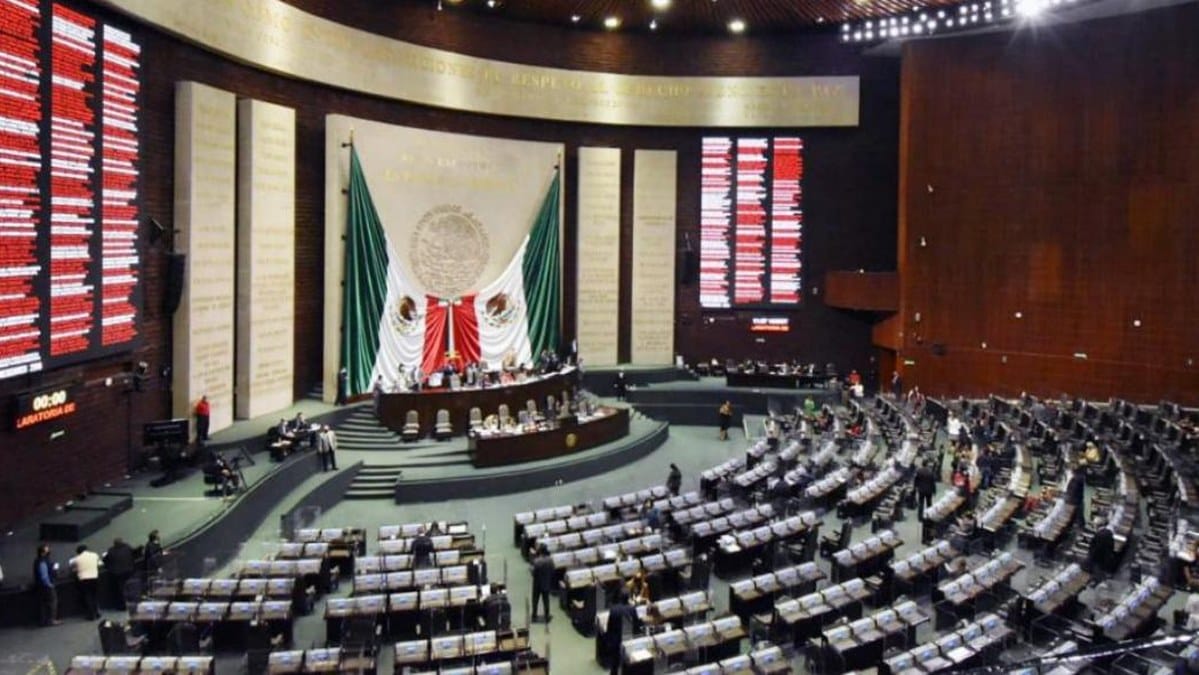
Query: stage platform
x,y
695,402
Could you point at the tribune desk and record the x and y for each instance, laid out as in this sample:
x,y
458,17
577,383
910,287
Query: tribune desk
x,y
394,407
562,438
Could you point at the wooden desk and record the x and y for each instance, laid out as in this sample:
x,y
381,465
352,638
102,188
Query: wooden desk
x,y
562,440
393,408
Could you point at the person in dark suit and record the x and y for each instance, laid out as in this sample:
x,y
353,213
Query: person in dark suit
x,y
44,572
422,550
543,581
674,480
1101,556
926,485
343,386
152,554
619,614
621,386
119,563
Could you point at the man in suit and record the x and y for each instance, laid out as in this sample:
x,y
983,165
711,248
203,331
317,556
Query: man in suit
x,y
44,571
619,614
1101,556
327,447
926,485
674,480
422,550
543,582
119,563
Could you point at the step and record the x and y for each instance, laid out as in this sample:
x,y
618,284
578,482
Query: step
x,y
372,495
373,482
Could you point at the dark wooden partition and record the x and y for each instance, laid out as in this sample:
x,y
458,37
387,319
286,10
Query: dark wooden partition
x,y
1049,210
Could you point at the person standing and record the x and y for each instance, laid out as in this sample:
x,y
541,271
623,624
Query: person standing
x,y
543,582
896,385
674,480
43,580
377,392
422,550
621,386
620,613
726,419
328,448
86,566
152,554
343,383
118,560
925,483
202,411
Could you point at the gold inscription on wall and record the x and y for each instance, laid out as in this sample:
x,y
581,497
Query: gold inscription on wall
x,y
266,242
652,333
598,301
205,169
273,35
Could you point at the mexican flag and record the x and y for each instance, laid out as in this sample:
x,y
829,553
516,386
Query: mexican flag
x,y
389,326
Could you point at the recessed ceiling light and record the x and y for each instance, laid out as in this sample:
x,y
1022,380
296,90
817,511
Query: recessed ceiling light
x,y
660,4
575,18
612,22
737,26
492,3
653,24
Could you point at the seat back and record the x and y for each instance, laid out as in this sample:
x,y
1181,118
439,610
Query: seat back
x,y
443,417
476,417
504,414
531,405
184,639
413,418
112,638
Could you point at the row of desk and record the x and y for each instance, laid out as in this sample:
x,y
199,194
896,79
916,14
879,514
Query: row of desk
x,y
804,617
685,608
712,640
498,647
148,665
750,596
411,580
861,643
955,650
458,606
226,621
405,561
223,589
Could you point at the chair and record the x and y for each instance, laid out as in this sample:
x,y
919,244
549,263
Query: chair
x,y
115,639
258,647
531,406
551,405
504,414
360,634
184,639
411,430
443,430
829,545
476,418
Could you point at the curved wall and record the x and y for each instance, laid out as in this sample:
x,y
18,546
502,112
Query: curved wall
x,y
850,207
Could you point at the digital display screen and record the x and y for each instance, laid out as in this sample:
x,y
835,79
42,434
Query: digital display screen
x,y
751,222
69,214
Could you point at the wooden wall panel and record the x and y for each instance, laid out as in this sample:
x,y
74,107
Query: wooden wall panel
x,y
1057,209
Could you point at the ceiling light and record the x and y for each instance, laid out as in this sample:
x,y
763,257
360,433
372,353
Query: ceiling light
x,y
660,4
737,26
1030,8
492,3
575,18
612,22
653,24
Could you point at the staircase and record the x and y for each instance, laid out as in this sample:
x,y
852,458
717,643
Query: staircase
x,y
362,431
375,481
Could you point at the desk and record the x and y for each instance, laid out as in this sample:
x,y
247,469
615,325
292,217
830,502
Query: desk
x,y
560,440
394,407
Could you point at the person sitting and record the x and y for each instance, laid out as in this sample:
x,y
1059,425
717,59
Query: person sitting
x,y
223,475
301,431
638,588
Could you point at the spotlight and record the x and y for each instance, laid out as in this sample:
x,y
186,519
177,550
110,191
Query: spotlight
x,y
660,4
737,26
612,22
1030,8
575,18
653,24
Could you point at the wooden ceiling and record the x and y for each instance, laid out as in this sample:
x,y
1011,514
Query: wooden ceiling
x,y
689,16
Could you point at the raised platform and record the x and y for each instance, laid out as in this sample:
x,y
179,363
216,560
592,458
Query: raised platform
x,y
602,381
696,402
454,480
